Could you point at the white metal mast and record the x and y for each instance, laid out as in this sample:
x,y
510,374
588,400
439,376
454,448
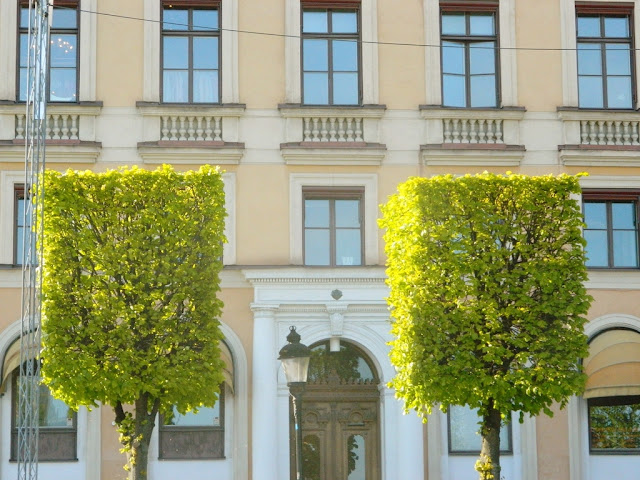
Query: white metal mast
x,y
29,379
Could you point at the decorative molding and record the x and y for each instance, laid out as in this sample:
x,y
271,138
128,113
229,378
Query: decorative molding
x,y
190,155
310,276
84,152
323,154
471,154
575,155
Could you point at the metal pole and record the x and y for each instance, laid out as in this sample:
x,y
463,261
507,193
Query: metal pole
x,y
296,395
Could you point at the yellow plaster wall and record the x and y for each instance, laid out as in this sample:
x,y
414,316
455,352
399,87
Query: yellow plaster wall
x,y
112,461
11,301
553,445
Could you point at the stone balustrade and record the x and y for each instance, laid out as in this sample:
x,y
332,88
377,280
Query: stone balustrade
x,y
609,132
191,128
59,126
332,129
472,130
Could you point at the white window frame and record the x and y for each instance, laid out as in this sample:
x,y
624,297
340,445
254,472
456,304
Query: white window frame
x,y
87,40
8,182
369,52
569,46
229,52
297,181
508,73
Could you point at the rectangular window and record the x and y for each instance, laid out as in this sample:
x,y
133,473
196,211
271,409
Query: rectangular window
x,y
330,56
193,435
18,224
614,425
469,56
63,52
57,427
191,52
605,60
611,229
333,227
464,439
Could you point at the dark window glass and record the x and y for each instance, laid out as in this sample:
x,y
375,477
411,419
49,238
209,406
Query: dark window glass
x,y
333,233
192,436
469,59
614,424
611,233
330,57
57,422
605,74
463,431
63,54
190,55
349,365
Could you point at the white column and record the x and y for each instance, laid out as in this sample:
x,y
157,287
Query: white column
x,y
264,395
409,447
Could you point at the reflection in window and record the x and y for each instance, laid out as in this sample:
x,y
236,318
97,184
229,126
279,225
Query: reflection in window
x,y
604,61
330,57
348,365
311,463
190,55
469,59
614,424
463,431
333,227
356,457
611,233
194,435
63,53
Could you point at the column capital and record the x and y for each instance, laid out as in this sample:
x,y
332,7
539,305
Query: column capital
x,y
264,309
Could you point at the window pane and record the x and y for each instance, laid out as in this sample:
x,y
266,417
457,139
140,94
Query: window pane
x,y
345,88
348,247
463,428
316,88
597,248
590,92
63,51
175,85
617,27
311,457
623,215
175,19
482,58
20,212
453,58
24,17
344,22
595,214
205,52
19,260
205,19
24,49
205,86
205,417
315,55
588,26
316,247
316,213
618,57
53,412
175,52
625,249
619,92
23,84
483,91
356,458
63,84
348,213
453,91
480,24
345,55
314,21
64,18
589,59
453,24
615,426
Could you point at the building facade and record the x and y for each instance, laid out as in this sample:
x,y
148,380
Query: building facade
x,y
316,110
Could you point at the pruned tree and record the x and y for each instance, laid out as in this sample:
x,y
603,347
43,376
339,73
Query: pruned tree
x,y
486,277
130,308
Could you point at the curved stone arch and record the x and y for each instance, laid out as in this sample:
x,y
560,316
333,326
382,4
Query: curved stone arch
x,y
610,321
7,337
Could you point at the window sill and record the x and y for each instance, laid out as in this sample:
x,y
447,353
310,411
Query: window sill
x,y
333,153
613,279
58,151
191,152
470,154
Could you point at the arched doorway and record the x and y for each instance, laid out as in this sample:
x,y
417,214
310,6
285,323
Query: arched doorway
x,y
340,416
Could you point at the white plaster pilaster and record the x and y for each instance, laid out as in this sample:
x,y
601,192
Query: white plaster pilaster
x,y
93,445
569,57
409,451
88,51
151,80
369,51
529,448
508,67
433,94
8,49
264,427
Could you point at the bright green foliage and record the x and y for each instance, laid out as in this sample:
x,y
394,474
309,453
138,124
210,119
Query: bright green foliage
x,y
487,292
130,309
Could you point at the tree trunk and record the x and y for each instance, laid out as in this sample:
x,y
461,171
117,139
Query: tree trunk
x,y
489,464
135,435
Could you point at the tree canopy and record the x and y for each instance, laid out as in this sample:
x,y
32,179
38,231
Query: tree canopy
x,y
130,309
487,294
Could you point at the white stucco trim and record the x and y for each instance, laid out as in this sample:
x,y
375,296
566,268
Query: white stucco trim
x,y
8,45
88,51
369,51
569,45
228,45
370,183
507,55
8,180
229,248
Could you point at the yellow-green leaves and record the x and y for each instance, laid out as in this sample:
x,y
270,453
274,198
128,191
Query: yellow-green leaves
x,y
487,291
131,272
